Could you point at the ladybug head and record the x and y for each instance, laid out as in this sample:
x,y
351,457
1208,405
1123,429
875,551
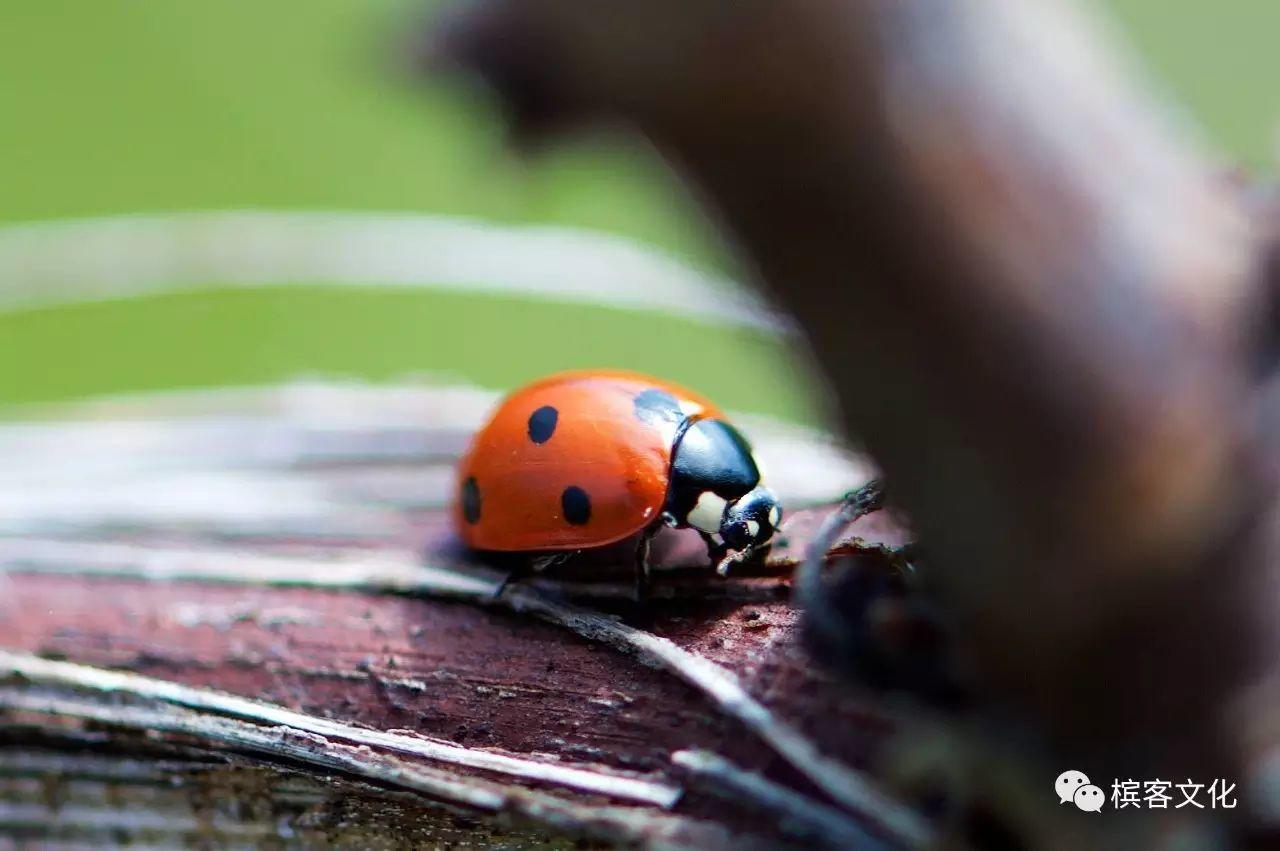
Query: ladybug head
x,y
751,520
716,488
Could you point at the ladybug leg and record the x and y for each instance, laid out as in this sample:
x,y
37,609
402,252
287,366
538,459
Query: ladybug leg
x,y
715,552
507,579
546,562
643,572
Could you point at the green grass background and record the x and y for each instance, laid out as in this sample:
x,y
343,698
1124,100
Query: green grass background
x,y
120,106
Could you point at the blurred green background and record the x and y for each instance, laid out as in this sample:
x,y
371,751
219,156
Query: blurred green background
x,y
120,106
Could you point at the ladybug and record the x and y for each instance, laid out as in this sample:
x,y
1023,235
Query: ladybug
x,y
581,460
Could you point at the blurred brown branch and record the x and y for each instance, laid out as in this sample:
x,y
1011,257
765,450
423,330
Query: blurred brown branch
x,y
1038,305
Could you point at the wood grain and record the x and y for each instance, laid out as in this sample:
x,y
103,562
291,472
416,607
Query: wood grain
x,y
405,666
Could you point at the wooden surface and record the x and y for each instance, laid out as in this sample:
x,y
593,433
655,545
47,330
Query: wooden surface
x,y
163,559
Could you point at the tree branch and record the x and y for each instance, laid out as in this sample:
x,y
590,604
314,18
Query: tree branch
x,y
1035,297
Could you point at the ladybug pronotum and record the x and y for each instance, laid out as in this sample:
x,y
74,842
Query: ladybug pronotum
x,y
581,460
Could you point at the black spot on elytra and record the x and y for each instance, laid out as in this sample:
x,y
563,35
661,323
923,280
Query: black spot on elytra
x,y
542,424
576,505
471,500
656,406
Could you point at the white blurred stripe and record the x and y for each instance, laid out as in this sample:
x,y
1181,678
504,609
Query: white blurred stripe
x,y
305,457
61,262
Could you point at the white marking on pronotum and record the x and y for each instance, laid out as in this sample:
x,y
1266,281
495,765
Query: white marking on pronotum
x,y
690,409
760,468
38,670
753,528
775,516
707,513
44,263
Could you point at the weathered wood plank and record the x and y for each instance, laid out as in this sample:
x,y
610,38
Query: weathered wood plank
x,y
399,659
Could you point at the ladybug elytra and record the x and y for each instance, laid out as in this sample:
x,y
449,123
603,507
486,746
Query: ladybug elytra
x,y
581,460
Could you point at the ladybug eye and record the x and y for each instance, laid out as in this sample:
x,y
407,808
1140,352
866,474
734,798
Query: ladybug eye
x,y
736,535
751,520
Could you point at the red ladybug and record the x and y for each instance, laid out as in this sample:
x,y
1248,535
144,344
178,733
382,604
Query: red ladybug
x,y
587,459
